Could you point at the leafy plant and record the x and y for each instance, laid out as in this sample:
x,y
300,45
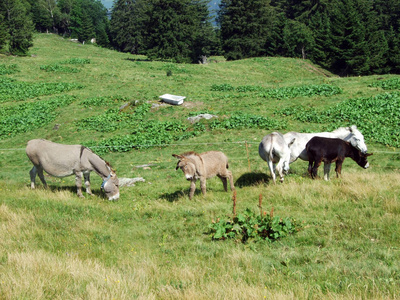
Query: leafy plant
x,y
12,90
243,120
76,61
251,226
389,84
58,68
8,69
29,116
102,101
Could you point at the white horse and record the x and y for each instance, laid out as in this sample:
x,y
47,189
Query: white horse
x,y
298,148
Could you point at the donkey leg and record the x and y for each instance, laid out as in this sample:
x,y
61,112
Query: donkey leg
x,y
41,176
32,174
86,175
315,169
203,185
338,168
230,176
224,182
279,168
310,164
78,182
192,189
272,170
327,170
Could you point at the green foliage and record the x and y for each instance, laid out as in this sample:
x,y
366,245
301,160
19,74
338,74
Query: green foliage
x,y
250,226
147,134
102,101
76,61
284,92
243,120
58,69
18,26
377,117
244,27
8,69
389,84
12,90
29,116
225,87
114,119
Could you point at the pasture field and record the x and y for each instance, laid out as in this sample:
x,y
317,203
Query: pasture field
x,y
155,243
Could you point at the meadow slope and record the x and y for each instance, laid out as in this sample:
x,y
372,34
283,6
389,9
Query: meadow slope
x,y
155,243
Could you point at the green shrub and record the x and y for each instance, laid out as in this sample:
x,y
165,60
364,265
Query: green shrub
x,y
250,226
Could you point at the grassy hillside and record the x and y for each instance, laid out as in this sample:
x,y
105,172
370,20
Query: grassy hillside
x,y
155,243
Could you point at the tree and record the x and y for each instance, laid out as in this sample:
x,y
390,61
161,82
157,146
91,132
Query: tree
x,y
18,24
127,25
174,28
245,27
3,32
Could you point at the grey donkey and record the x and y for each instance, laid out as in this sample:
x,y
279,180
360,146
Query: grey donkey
x,y
202,166
65,160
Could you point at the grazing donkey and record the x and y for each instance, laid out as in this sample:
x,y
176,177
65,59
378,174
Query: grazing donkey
x,y
274,149
328,150
202,166
65,160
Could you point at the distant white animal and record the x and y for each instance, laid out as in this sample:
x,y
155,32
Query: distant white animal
x,y
275,150
298,149
65,160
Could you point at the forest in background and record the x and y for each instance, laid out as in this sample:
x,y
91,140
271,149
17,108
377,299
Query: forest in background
x,y
347,37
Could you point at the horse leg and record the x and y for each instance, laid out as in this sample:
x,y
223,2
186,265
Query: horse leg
x,y
192,188
86,175
327,169
78,182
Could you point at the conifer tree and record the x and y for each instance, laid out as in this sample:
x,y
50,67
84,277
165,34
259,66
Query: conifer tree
x,y
173,29
18,24
127,25
245,27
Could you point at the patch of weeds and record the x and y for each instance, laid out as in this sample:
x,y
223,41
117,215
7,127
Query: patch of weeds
x,y
249,226
8,69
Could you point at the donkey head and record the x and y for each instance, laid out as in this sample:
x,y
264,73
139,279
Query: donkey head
x,y
186,165
110,186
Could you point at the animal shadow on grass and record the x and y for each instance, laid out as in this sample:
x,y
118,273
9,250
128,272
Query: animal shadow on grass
x,y
172,197
250,179
72,190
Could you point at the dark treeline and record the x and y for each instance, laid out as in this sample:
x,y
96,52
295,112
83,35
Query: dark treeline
x,y
347,37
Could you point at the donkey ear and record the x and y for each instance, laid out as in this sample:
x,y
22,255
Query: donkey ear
x,y
368,154
291,143
177,156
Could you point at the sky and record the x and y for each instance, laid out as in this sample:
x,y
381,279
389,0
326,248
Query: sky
x,y
107,3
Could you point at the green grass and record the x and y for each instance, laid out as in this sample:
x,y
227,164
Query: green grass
x,y
155,243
